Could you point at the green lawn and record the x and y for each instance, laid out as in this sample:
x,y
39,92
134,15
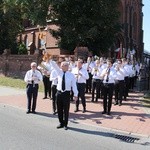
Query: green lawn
x,y
16,83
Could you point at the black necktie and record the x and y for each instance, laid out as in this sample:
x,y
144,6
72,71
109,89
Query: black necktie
x,y
63,82
33,80
108,71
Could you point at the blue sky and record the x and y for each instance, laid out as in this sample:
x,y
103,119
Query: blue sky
x,y
146,24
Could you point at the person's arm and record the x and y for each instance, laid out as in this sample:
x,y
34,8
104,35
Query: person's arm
x,y
74,86
56,67
53,76
40,77
28,77
103,74
84,74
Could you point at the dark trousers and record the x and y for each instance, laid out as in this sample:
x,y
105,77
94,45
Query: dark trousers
x,y
32,93
119,91
54,91
96,84
63,105
126,87
47,86
81,94
131,82
108,92
89,83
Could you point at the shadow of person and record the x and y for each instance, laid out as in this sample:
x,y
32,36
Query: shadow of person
x,y
85,131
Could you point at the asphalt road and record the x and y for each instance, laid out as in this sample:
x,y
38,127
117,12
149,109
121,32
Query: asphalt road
x,y
19,131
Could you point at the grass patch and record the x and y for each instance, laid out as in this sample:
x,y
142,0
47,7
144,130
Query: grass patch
x,y
16,83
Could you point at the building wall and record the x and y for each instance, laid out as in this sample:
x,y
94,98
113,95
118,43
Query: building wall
x,y
16,65
131,19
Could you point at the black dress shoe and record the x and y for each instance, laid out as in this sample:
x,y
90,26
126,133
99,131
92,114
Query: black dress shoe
x,y
45,97
65,128
103,112
84,110
120,104
28,112
116,103
108,113
34,112
54,113
60,126
76,110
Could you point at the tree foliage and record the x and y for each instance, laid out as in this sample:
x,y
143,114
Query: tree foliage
x,y
12,14
10,24
91,23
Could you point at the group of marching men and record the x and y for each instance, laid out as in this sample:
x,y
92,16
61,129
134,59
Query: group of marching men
x,y
103,78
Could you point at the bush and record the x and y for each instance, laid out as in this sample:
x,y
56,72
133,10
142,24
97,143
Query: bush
x,y
22,49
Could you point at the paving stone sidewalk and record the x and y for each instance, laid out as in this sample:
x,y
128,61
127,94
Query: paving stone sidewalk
x,y
131,117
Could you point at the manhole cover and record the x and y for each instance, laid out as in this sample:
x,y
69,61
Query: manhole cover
x,y
126,138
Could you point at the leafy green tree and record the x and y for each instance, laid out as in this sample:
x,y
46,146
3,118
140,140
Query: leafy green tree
x,y
10,23
91,23
12,14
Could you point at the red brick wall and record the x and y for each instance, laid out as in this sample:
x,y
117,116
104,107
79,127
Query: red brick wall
x,y
16,65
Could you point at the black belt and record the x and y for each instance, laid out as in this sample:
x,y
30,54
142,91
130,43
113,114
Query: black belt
x,y
119,80
63,91
108,84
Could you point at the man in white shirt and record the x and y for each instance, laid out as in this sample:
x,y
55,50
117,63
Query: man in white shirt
x,y
108,75
66,82
54,79
81,75
32,79
119,82
96,81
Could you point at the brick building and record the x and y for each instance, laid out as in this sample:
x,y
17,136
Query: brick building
x,y
129,39
131,36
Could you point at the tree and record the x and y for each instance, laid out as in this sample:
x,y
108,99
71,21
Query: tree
x,y
10,24
12,14
91,23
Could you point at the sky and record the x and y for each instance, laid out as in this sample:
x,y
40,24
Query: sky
x,y
146,24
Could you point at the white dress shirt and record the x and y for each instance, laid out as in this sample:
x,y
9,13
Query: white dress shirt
x,y
120,74
80,78
54,77
96,72
44,66
70,81
33,74
111,76
127,70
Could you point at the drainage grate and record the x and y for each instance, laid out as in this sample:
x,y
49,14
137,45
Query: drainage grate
x,y
126,138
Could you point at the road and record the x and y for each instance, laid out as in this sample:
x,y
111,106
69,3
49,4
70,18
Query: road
x,y
19,131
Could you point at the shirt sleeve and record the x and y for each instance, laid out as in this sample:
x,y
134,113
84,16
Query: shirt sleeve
x,y
85,74
55,66
74,86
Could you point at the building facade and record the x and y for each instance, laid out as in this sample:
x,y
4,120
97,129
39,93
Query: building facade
x,y
130,39
128,42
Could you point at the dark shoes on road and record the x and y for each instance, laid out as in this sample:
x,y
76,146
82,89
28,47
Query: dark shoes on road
x,y
34,112
62,126
83,111
104,112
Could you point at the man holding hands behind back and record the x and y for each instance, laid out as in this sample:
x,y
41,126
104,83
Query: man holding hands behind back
x,y
66,81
